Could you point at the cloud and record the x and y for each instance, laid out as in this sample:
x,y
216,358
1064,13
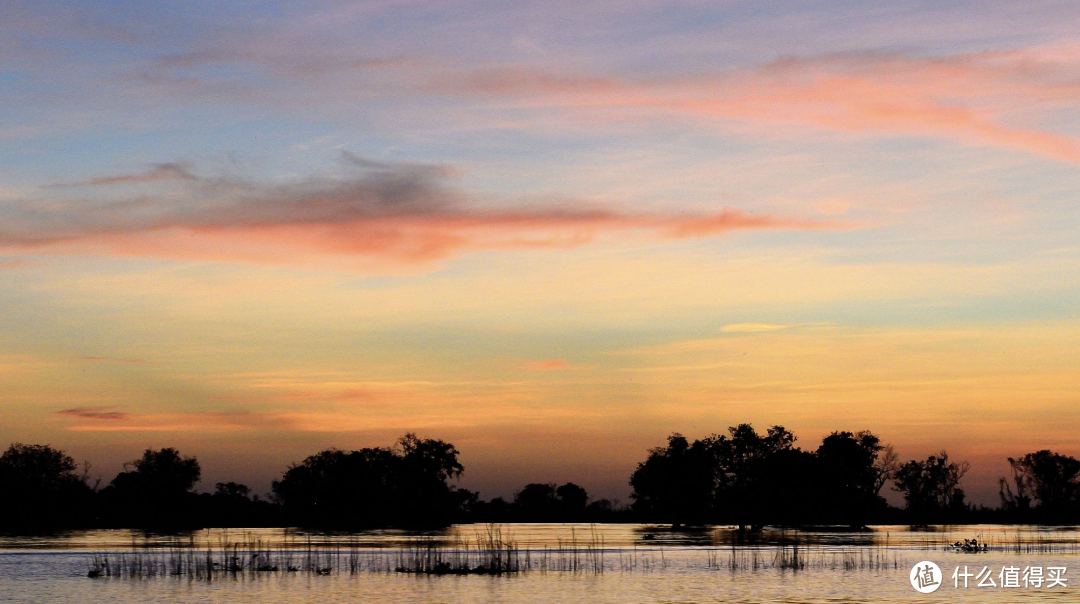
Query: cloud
x,y
287,62
970,97
13,264
213,421
167,171
552,365
111,360
106,413
751,327
406,213
832,207
229,422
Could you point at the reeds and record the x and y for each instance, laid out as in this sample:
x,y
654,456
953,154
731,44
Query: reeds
x,y
793,554
205,562
490,551
489,554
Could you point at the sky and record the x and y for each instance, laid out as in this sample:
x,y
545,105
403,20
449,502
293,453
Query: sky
x,y
551,233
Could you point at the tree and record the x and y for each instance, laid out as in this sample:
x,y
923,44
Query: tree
x,y
885,467
154,491
850,472
760,477
848,460
422,491
406,485
431,458
573,500
233,505
340,488
932,485
231,490
742,477
545,502
163,473
40,489
676,483
1051,479
536,502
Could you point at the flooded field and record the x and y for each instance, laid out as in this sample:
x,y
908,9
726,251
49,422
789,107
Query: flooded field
x,y
541,563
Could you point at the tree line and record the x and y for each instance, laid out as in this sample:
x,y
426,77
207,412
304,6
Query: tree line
x,y
742,477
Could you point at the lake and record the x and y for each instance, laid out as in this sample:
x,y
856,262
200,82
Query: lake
x,y
548,563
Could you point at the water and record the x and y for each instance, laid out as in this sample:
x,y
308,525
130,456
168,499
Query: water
x,y
717,565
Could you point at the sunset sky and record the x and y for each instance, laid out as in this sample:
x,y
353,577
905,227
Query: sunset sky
x,y
551,233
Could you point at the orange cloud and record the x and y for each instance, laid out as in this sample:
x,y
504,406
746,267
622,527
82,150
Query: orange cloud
x,y
552,365
751,327
110,360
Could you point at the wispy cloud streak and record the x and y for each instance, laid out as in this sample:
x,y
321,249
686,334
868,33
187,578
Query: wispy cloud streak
x,y
402,212
984,98
552,365
106,413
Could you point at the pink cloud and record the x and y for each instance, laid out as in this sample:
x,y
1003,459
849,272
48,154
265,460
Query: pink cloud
x,y
381,213
416,239
971,97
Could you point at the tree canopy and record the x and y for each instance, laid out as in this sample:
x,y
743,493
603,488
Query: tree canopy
x,y
378,486
40,488
1046,482
747,478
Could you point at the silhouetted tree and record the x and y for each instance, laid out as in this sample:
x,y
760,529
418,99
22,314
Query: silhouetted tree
x,y
1051,479
231,490
850,476
402,486
573,500
545,502
421,485
163,474
599,509
932,486
40,489
536,502
885,467
764,478
154,491
676,483
496,510
233,505
344,488
761,477
748,478
741,477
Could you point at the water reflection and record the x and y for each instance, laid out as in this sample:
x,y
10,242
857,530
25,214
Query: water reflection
x,y
541,535
713,564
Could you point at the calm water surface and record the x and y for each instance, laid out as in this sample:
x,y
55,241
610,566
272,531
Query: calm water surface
x,y
716,565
